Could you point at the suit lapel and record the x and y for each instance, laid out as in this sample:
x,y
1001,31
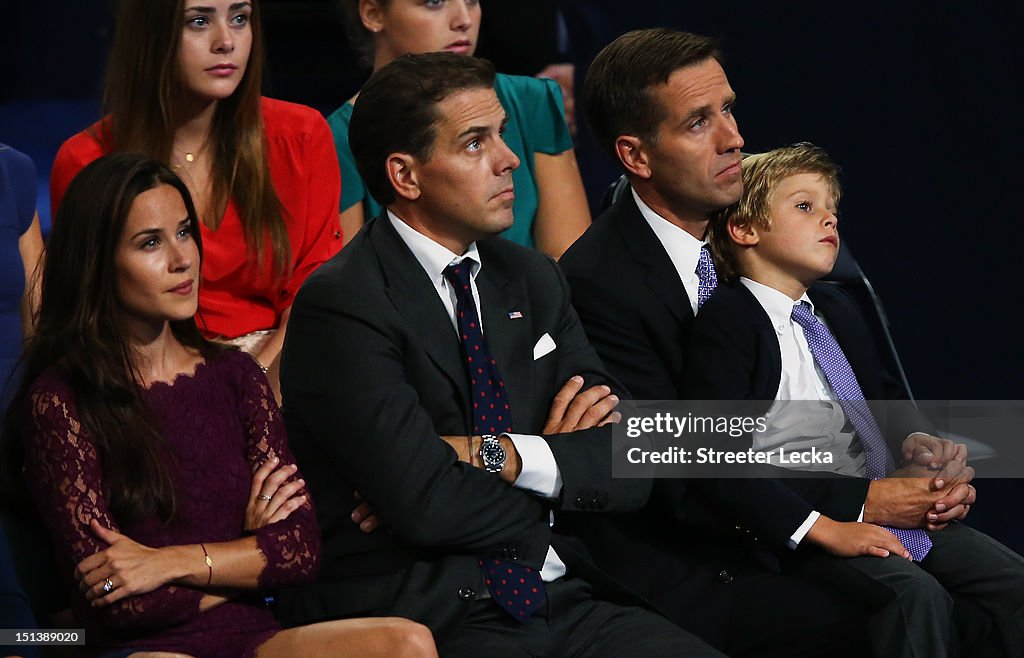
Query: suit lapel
x,y
767,373
509,339
414,296
649,253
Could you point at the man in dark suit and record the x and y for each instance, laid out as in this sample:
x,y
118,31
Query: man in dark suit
x,y
661,105
440,372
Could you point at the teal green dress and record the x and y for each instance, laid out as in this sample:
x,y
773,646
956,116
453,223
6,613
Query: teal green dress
x,y
536,124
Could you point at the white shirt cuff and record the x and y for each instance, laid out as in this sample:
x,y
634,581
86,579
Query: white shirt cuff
x,y
539,474
861,517
804,528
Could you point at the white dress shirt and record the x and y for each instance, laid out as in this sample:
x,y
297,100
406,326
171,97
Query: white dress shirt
x,y
804,425
794,422
683,249
539,474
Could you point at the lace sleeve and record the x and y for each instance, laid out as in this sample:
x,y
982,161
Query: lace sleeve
x,y
290,547
64,474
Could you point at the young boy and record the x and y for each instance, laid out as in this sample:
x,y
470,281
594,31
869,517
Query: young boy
x,y
773,333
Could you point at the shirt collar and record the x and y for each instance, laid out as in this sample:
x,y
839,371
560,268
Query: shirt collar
x,y
682,248
432,256
778,305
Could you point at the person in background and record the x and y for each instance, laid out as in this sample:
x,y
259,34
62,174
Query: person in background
x,y
550,205
544,55
183,86
21,251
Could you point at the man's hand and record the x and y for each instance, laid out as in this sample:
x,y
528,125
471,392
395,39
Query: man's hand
x,y
899,502
853,539
950,459
573,410
931,451
954,505
918,502
364,516
955,495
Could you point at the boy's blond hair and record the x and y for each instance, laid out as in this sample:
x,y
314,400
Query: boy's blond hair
x,y
762,174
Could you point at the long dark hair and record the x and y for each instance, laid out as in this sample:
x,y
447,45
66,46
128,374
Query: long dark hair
x,y
142,83
81,333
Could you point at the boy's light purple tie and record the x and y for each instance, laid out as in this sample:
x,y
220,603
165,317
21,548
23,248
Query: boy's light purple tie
x,y
707,280
877,458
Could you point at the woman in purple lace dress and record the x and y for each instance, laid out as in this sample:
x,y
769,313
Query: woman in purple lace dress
x,y
158,459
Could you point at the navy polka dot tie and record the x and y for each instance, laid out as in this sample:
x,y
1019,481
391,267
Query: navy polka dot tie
x,y
517,589
877,458
707,279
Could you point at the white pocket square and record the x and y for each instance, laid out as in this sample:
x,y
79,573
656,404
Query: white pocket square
x,y
544,346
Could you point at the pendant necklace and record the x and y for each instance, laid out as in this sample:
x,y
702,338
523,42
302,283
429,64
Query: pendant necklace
x,y
190,156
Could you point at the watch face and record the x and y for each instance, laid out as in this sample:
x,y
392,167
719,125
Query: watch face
x,y
493,455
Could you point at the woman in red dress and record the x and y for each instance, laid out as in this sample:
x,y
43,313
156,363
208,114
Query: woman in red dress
x,y
183,86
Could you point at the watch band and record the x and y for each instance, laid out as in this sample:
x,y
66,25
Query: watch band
x,y
492,454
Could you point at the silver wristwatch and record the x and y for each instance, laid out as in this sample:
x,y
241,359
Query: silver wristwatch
x,y
492,455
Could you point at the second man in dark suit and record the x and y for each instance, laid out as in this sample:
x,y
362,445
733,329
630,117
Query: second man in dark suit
x,y
661,104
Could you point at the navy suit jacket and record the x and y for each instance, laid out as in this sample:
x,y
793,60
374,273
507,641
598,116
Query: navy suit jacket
x,y
372,374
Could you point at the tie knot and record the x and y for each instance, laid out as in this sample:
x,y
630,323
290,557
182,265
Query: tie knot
x,y
707,279
803,315
457,275
705,264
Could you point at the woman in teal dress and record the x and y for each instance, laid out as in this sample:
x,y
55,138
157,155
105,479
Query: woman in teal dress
x,y
550,205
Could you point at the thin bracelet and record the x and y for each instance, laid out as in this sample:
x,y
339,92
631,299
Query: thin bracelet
x,y
209,564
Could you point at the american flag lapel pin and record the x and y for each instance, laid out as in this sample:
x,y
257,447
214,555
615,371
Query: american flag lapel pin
x,y
514,315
